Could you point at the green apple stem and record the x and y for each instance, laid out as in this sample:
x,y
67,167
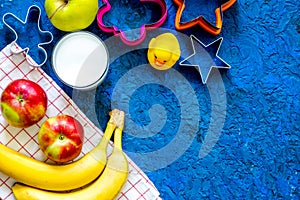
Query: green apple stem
x,y
60,7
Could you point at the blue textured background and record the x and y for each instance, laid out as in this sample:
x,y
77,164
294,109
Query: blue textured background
x,y
257,155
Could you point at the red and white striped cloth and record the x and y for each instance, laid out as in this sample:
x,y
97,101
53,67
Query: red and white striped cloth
x,y
138,185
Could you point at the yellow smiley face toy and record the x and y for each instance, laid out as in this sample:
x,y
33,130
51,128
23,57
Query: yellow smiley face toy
x,y
163,51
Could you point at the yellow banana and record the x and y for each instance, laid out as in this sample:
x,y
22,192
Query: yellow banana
x,y
106,187
57,177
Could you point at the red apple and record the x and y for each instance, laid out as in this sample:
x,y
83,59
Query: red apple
x,y
61,138
23,103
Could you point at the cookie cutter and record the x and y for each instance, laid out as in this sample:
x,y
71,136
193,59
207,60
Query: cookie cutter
x,y
17,50
213,29
217,61
114,29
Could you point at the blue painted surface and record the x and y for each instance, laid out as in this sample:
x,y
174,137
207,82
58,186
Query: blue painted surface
x,y
257,154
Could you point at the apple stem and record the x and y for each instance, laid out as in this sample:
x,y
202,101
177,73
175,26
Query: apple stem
x,y
20,98
61,137
60,7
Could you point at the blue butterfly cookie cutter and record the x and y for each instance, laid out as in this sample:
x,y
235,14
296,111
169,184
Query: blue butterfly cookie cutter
x,y
34,9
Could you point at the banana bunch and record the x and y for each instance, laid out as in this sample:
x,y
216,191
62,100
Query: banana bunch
x,y
82,172
106,186
56,177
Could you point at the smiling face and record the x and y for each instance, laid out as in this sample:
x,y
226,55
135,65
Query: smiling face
x,y
160,59
163,51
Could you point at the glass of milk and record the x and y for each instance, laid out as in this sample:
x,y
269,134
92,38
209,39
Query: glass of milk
x,y
80,60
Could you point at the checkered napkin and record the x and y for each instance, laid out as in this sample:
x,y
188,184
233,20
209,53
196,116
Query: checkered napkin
x,y
12,67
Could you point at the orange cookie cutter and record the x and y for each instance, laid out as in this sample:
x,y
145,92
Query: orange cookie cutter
x,y
201,21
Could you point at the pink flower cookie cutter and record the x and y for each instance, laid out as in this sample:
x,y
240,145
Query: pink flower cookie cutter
x,y
16,49
143,29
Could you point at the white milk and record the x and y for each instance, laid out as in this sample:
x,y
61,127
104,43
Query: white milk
x,y
80,60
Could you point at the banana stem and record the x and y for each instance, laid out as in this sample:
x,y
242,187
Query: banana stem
x,y
118,138
116,120
119,122
110,127
115,123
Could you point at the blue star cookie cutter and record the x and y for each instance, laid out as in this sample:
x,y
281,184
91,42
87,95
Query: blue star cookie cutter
x,y
34,9
205,57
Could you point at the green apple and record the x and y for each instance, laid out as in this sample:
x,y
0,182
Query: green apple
x,y
71,15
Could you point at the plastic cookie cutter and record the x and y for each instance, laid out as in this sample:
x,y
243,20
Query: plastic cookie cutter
x,y
213,29
116,31
33,13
